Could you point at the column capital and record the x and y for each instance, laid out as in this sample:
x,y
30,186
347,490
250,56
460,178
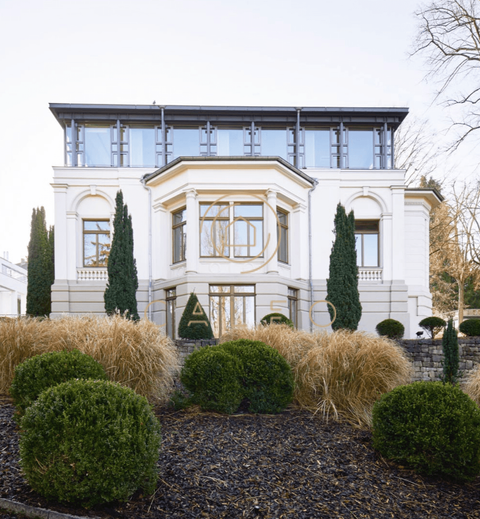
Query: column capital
x,y
191,193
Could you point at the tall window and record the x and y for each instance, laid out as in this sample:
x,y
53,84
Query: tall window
x,y
366,242
214,235
96,243
248,230
231,305
98,145
360,148
293,305
282,236
142,146
170,300
230,142
317,147
186,142
179,220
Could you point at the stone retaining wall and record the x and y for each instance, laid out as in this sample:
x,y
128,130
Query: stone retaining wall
x,y
427,356
187,346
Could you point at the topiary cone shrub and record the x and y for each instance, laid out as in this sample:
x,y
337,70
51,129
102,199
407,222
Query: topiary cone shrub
x,y
89,442
470,327
431,426
390,328
276,318
194,323
49,369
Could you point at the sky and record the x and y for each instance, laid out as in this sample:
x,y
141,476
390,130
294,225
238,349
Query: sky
x,y
187,52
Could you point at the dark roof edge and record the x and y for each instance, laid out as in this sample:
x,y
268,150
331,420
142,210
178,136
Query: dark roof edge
x,y
168,166
437,193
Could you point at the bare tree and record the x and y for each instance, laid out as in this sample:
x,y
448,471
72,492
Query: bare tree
x,y
449,38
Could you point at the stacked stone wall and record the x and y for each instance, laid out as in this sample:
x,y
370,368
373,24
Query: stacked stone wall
x,y
187,346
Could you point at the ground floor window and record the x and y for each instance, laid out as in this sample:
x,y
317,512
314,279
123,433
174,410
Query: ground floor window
x,y
231,305
366,243
170,300
293,305
96,243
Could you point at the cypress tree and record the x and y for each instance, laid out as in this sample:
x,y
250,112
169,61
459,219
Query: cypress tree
x,y
450,354
40,272
120,294
194,323
342,284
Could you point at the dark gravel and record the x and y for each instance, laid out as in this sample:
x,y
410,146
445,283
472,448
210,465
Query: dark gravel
x,y
289,465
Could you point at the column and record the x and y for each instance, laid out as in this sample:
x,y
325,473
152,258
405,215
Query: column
x,y
192,232
60,193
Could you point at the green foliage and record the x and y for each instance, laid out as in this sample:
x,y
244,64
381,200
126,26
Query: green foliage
x,y
470,327
180,400
342,283
268,381
213,378
120,294
40,272
433,427
90,442
390,328
194,323
49,369
276,318
432,325
450,354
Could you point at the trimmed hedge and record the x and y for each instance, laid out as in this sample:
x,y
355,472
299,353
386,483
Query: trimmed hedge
x,y
470,327
49,369
390,328
90,442
432,325
431,426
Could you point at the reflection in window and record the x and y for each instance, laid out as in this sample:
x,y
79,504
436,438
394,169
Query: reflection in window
x,y
366,243
142,147
214,238
274,142
171,298
248,229
179,237
360,148
229,142
96,243
293,305
97,145
186,142
282,236
317,148
231,305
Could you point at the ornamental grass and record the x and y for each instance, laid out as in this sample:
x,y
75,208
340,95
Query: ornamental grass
x,y
138,355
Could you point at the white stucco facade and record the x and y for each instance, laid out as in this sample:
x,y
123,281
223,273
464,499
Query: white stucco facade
x,y
13,289
397,287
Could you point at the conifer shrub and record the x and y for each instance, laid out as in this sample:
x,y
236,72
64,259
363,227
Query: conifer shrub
x,y
194,323
90,442
276,318
390,328
40,372
268,381
451,357
431,426
213,378
432,325
470,327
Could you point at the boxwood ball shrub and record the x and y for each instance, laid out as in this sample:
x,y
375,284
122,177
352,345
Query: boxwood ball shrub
x,y
390,328
431,426
276,318
470,327
268,381
213,378
89,442
49,369
432,325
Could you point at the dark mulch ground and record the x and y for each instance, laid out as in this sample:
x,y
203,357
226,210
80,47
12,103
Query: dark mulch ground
x,y
290,465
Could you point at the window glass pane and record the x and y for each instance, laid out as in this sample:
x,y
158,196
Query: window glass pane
x,y
256,237
282,247
96,226
241,238
214,242
222,289
179,216
249,311
89,250
215,314
360,148
230,142
97,145
370,253
274,142
142,147
245,288
178,244
254,210
220,210
171,318
358,248
186,142
238,309
366,225
282,217
317,148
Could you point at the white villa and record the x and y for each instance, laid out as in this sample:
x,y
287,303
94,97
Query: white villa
x,y
13,287
237,204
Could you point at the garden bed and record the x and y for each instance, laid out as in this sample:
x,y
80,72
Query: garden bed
x,y
288,465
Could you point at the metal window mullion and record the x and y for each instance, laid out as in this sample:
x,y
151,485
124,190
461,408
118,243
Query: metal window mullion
x,y
208,139
392,150
385,146
341,142
74,144
253,139
163,139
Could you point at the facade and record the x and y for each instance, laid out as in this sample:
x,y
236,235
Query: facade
x,y
13,287
237,204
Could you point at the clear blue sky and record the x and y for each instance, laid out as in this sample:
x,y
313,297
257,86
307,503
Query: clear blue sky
x,y
217,52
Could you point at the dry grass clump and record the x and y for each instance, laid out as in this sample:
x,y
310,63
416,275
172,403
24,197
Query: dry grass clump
x,y
291,344
347,372
137,355
472,385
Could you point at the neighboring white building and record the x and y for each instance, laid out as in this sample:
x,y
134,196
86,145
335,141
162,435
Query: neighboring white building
x,y
269,173
13,288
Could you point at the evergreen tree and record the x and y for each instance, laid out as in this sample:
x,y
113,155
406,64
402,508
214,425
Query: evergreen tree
x,y
120,294
342,284
194,323
450,354
40,273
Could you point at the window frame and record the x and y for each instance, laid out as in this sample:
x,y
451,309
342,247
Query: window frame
x,y
206,218
87,232
292,297
170,297
280,228
362,234
175,226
